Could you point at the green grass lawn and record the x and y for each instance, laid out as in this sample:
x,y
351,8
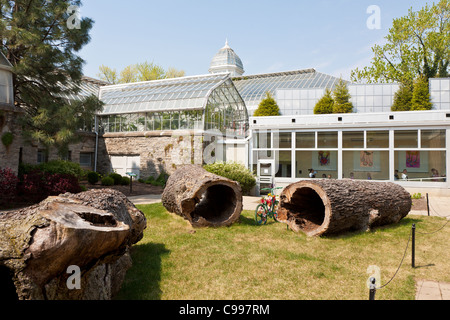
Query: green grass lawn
x,y
246,261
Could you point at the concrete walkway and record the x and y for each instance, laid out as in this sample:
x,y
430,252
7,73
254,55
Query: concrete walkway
x,y
426,290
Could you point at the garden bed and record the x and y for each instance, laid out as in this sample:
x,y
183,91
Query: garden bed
x,y
138,188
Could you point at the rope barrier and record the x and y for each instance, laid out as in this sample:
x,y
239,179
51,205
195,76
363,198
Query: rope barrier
x,y
373,288
401,262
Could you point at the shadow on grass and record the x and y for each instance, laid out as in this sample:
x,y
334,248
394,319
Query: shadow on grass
x,y
385,228
251,221
142,281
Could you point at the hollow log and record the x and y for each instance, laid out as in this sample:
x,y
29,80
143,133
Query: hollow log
x,y
329,207
92,230
203,198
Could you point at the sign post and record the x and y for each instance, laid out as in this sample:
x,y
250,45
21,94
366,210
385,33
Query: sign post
x,y
131,175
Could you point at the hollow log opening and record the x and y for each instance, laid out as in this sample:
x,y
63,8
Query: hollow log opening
x,y
216,204
7,287
307,208
326,207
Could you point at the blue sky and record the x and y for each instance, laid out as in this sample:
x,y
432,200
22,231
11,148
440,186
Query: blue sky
x,y
269,36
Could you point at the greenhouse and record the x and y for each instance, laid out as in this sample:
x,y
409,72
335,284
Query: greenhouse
x,y
207,102
253,88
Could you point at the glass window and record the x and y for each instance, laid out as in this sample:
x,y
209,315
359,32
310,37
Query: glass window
x,y
366,165
305,140
321,163
282,139
284,169
432,138
327,140
422,166
405,139
377,139
86,159
263,139
42,156
353,139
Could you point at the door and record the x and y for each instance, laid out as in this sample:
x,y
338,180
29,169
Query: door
x,y
124,164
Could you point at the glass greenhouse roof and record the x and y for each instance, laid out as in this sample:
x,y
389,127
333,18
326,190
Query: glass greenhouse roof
x,y
186,93
226,57
253,88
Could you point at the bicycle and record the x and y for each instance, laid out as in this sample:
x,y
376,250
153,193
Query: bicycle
x,y
267,208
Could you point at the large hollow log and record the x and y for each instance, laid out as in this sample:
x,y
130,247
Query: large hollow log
x,y
203,198
92,231
329,207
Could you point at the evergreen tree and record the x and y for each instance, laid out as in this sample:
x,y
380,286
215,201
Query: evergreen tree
x,y
41,39
325,104
267,107
402,98
421,95
342,97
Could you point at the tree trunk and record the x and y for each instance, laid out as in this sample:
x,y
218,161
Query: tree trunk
x,y
92,230
203,198
324,207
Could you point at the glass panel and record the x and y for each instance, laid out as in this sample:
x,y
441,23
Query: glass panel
x,y
305,140
262,139
284,164
353,139
377,139
405,139
327,140
322,163
423,166
366,165
433,138
282,140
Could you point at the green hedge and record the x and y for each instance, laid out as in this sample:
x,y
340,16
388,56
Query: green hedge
x,y
234,171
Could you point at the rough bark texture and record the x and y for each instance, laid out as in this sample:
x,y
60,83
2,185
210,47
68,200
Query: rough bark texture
x,y
92,230
203,198
323,207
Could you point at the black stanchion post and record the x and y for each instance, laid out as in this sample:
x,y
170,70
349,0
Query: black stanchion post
x,y
373,288
428,206
131,185
413,245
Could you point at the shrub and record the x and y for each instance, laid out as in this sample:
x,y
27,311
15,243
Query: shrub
x,y
8,185
7,139
38,185
421,95
117,178
325,104
125,181
402,98
267,107
160,181
93,177
107,181
341,98
234,171
62,167
61,183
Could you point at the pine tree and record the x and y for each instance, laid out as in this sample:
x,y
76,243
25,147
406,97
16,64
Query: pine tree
x,y
342,97
421,95
41,40
325,104
267,107
402,98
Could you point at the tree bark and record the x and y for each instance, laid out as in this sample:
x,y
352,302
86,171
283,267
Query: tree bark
x,y
326,207
203,198
92,230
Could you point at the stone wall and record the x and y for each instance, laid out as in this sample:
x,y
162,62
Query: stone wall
x,y
86,144
159,151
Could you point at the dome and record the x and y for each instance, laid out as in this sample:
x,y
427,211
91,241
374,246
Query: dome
x,y
226,60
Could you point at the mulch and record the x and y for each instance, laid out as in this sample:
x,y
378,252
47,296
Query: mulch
x,y
137,189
